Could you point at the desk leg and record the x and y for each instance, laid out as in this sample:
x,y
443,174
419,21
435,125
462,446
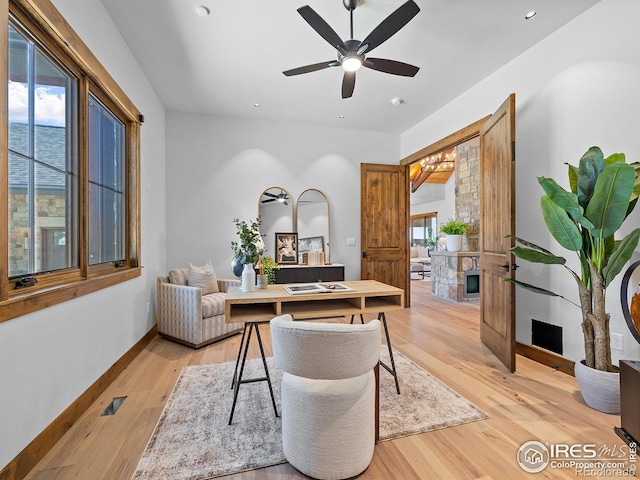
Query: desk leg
x,y
392,370
361,319
266,371
235,371
239,380
376,371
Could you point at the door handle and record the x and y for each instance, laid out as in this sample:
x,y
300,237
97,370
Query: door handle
x,y
364,254
513,266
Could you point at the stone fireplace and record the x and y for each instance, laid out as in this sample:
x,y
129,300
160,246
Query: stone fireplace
x,y
450,272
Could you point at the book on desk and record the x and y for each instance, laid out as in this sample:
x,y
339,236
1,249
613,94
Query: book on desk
x,y
307,288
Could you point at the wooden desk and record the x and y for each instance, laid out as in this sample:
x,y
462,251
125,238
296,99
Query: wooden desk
x,y
369,297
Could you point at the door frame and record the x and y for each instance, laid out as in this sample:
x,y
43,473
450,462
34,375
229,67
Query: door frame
x,y
464,134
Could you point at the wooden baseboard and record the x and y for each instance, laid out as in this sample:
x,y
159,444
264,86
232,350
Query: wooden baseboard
x,y
26,460
545,357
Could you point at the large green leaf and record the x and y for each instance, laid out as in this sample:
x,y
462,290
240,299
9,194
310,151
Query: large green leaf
x,y
589,168
566,200
615,158
573,178
532,288
563,229
610,245
536,256
636,185
620,256
529,244
632,205
607,208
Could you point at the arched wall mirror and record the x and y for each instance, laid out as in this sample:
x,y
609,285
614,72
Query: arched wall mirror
x,y
275,208
314,234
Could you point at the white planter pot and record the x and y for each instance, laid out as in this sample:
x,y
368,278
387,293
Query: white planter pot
x,y
248,278
454,243
600,390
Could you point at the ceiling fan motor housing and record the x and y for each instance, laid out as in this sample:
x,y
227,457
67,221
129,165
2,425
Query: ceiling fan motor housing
x,y
352,51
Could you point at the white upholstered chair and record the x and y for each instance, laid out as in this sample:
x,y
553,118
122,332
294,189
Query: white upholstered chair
x,y
328,394
188,316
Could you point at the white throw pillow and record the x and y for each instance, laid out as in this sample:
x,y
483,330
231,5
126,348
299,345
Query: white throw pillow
x,y
203,277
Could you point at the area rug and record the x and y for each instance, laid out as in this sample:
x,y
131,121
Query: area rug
x,y
192,440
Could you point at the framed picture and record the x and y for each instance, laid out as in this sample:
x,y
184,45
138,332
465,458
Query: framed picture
x,y
287,248
310,244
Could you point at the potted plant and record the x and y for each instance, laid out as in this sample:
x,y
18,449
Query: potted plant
x,y
247,250
270,266
603,192
430,241
454,231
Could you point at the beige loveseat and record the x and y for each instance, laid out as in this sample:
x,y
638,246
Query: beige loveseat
x,y
189,317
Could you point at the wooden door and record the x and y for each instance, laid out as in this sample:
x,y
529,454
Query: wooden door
x,y
384,200
497,219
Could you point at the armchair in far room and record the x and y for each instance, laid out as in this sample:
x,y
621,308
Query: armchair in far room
x,y
420,260
190,306
328,394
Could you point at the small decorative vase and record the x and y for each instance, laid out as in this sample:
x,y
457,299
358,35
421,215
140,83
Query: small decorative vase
x,y
454,243
600,390
248,278
263,281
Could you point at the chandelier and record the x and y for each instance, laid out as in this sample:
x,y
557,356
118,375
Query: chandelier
x,y
438,166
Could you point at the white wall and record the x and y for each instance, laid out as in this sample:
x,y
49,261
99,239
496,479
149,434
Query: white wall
x,y
48,358
446,207
218,167
575,89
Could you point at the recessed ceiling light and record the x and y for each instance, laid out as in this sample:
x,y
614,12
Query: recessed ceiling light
x,y
256,105
396,101
530,15
202,11
340,116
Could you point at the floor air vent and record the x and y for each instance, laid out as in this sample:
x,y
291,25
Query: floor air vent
x,y
547,336
113,407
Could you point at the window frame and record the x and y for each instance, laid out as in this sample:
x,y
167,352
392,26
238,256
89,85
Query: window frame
x,y
52,33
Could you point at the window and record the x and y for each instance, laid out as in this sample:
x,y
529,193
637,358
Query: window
x,y
423,230
42,159
106,185
72,205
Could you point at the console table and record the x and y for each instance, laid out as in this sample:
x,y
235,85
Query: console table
x,y
309,273
260,306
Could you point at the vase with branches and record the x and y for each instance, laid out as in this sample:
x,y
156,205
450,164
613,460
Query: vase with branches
x,y
246,249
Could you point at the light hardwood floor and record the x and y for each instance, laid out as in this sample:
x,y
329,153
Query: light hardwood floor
x,y
535,403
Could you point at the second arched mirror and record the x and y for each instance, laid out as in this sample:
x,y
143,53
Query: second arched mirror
x,y
312,211
275,208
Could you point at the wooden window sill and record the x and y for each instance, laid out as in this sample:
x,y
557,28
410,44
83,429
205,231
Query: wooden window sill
x,y
33,301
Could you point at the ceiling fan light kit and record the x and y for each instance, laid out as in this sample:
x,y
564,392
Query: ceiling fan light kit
x,y
351,53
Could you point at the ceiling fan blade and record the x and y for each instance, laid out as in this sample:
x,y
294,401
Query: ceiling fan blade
x,y
311,68
269,200
268,194
348,84
391,66
322,27
390,26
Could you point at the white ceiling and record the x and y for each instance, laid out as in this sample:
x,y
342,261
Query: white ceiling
x,y
225,63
